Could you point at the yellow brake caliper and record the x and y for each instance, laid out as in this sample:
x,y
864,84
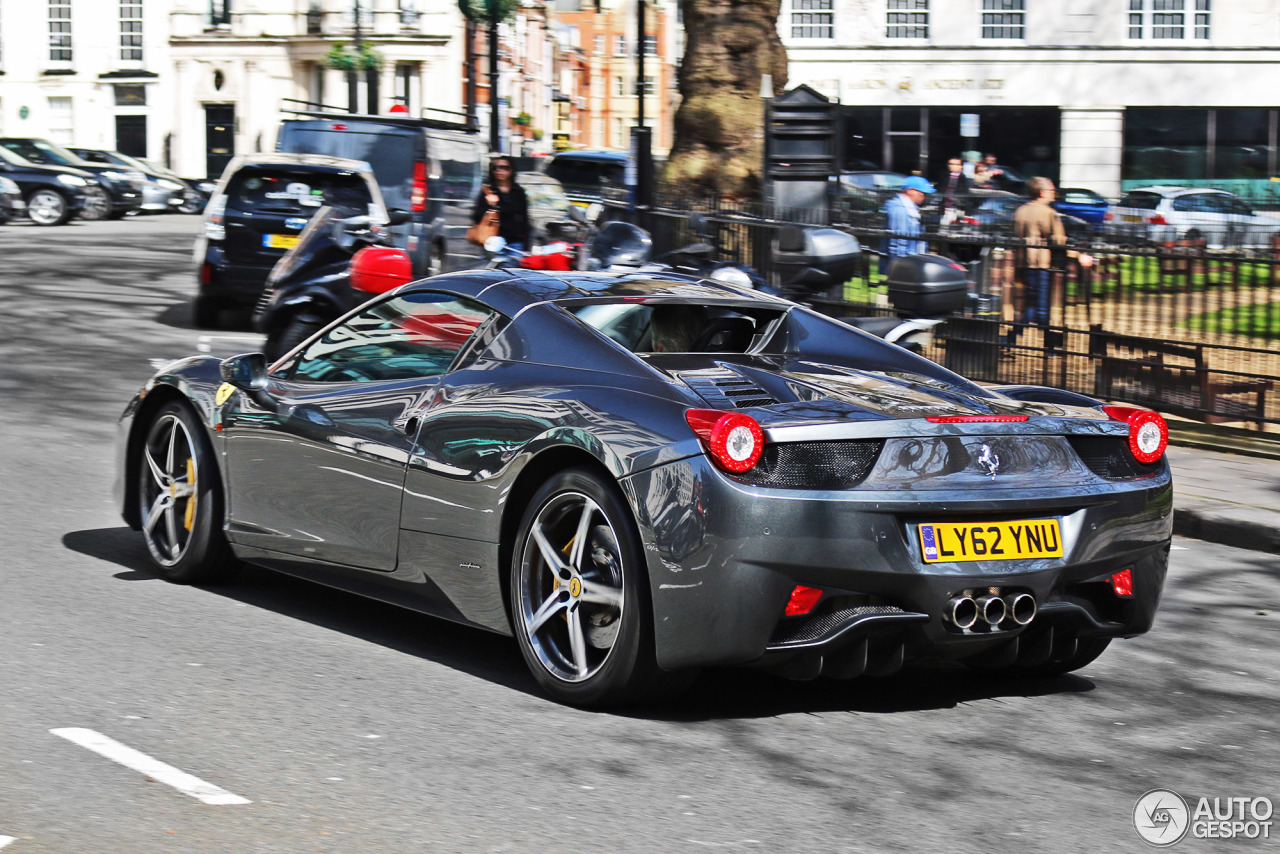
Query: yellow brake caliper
x,y
189,518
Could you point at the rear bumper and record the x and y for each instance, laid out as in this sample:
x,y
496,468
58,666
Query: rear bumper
x,y
229,283
723,559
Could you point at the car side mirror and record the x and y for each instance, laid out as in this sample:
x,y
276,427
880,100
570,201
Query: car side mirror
x,y
397,216
576,214
247,372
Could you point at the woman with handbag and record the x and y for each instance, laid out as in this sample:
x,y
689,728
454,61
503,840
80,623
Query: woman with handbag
x,y
501,195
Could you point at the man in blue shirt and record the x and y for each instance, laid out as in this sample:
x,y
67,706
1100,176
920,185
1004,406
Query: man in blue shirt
x,y
904,218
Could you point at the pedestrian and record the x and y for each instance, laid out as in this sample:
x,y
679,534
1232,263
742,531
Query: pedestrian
x,y
996,179
1041,236
904,218
503,194
981,177
955,189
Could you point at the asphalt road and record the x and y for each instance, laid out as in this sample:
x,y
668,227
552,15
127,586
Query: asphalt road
x,y
351,726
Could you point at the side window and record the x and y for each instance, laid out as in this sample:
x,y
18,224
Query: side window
x,y
1188,203
403,337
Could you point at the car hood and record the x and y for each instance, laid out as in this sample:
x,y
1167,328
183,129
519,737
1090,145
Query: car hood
x,y
785,391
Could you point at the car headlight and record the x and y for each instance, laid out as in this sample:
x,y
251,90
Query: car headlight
x,y
72,181
171,186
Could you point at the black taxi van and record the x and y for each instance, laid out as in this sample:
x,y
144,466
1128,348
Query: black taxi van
x,y
428,167
260,206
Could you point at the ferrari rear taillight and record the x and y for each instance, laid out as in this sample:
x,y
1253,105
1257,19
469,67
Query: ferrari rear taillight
x,y
418,195
803,600
1122,583
1148,432
734,440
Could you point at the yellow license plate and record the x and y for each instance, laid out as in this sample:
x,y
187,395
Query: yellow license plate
x,y
280,241
1131,218
944,542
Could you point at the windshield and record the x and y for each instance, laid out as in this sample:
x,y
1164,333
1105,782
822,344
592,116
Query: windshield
x,y
546,196
587,175
279,189
42,151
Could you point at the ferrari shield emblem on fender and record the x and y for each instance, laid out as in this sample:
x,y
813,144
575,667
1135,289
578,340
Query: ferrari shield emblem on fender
x,y
225,391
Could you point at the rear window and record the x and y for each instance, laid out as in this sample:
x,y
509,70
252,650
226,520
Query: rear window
x,y
1142,201
391,155
587,176
295,191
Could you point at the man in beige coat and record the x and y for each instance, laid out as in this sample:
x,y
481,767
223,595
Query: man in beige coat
x,y
1039,229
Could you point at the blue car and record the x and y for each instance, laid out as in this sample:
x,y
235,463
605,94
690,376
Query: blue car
x,y
1083,204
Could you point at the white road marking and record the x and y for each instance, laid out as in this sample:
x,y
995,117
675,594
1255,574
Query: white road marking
x,y
144,764
5,840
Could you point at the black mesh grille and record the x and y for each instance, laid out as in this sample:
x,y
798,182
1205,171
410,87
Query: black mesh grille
x,y
821,625
814,465
722,385
1109,456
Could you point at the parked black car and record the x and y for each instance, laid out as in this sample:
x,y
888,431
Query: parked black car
x,y
53,194
121,187
160,192
257,213
11,203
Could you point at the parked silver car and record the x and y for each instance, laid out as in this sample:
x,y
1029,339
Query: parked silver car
x,y
1160,213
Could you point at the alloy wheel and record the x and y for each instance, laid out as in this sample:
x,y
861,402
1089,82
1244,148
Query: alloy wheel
x,y
571,591
46,207
96,204
168,489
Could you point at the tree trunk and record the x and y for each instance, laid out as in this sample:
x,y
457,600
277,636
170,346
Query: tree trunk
x,y
719,128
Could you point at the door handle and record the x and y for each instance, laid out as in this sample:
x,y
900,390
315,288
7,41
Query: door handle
x,y
409,426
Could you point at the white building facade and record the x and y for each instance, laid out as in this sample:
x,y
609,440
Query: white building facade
x,y
85,73
1105,94
195,82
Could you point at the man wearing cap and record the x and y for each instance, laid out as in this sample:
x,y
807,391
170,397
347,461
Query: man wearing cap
x,y
904,218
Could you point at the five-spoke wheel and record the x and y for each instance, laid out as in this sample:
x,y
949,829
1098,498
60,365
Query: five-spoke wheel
x,y
179,502
578,593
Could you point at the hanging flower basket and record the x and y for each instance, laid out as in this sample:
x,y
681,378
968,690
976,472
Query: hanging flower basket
x,y
342,58
524,120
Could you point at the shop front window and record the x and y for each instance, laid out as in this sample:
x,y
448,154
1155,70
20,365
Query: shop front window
x,y
1165,144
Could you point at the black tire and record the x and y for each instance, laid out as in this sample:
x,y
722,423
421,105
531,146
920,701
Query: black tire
x,y
206,312
1193,234
282,338
120,214
191,204
46,206
585,627
97,205
179,495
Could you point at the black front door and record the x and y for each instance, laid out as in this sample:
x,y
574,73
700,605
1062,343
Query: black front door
x,y
219,137
131,135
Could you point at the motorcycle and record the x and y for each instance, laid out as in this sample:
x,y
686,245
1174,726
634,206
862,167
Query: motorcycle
x,y
924,289
310,285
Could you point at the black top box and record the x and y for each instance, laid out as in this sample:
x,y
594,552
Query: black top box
x,y
927,285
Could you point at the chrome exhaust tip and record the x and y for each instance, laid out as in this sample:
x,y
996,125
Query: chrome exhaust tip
x,y
1022,607
992,609
962,612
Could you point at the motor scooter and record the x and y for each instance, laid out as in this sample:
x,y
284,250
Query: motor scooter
x,y
924,289
310,285
624,247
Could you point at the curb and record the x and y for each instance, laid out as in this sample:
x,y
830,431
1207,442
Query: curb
x,y
1228,440
1233,525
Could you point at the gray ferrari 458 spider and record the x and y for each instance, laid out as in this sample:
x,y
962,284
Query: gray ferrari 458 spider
x,y
641,475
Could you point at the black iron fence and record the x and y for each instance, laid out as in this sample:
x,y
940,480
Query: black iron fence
x,y
1179,325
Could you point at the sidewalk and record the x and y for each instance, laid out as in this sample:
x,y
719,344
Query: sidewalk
x,y
1226,498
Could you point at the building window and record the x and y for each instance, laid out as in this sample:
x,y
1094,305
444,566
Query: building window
x,y
131,30
651,45
61,128
812,19
620,86
650,86
620,133
219,12
130,95
619,45
1004,19
60,30
908,19
1169,19
406,76
409,13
